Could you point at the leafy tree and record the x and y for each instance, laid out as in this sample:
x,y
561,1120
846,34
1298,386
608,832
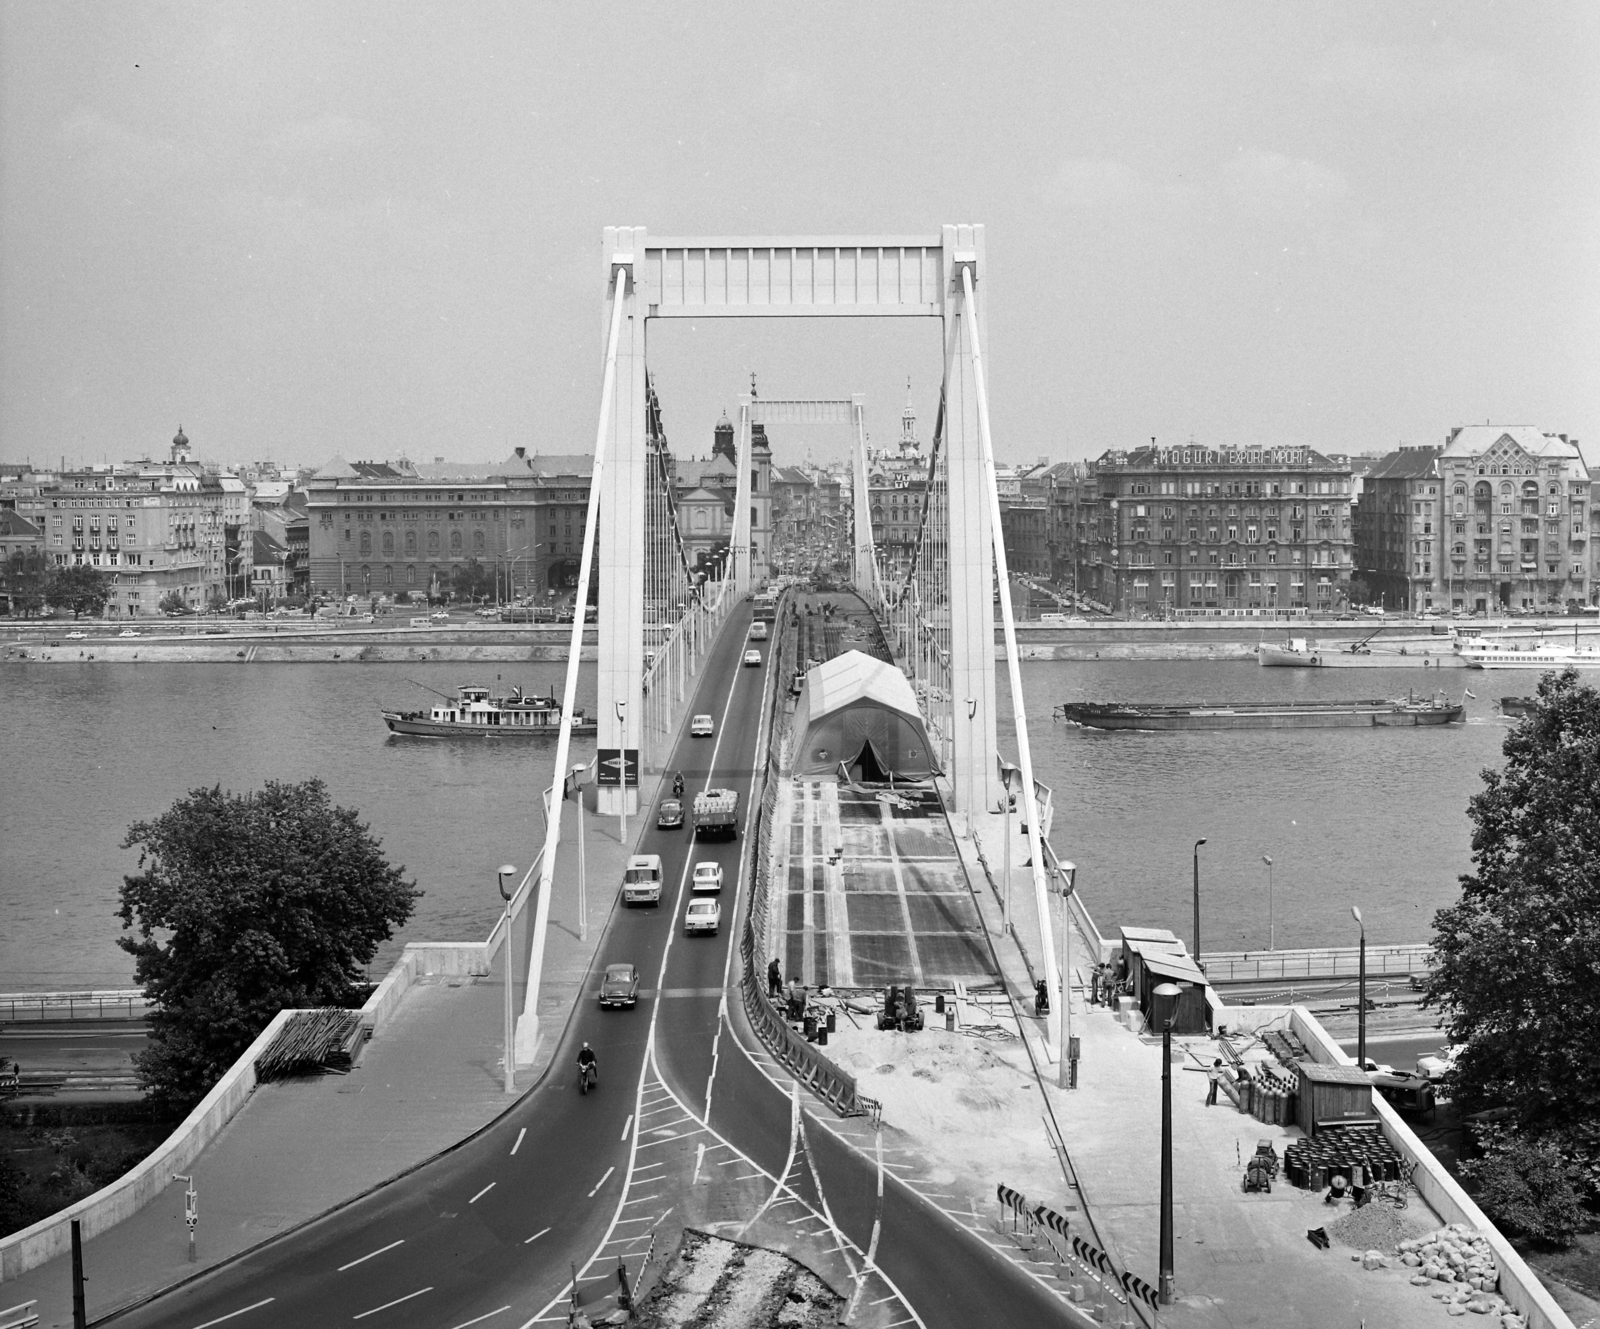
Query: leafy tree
x,y
78,587
1360,592
24,580
172,603
471,580
245,904
1516,976
1530,1186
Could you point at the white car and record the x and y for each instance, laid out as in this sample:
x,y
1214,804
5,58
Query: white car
x,y
707,878
753,659
76,636
701,726
758,631
702,916
129,632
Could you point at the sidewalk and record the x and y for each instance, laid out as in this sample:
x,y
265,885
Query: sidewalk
x,y
431,1076
1239,1258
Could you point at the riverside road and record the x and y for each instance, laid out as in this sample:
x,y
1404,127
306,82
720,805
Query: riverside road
x,y
490,1231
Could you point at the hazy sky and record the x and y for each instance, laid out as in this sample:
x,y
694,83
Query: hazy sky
x,y
304,229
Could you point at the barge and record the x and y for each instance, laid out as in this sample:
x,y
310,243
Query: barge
x,y
1404,712
473,711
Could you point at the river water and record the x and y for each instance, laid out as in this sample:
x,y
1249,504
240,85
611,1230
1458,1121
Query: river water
x,y
1368,817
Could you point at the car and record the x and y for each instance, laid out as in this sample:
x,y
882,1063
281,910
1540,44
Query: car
x,y
758,631
440,616
707,878
130,632
669,815
753,659
702,726
620,986
76,636
702,916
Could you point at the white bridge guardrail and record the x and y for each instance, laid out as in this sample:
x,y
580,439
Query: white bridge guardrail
x,y
1317,962
110,1003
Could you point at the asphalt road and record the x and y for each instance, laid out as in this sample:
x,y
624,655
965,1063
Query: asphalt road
x,y
490,1232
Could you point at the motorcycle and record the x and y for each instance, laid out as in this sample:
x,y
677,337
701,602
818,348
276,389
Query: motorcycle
x,y
588,1076
677,787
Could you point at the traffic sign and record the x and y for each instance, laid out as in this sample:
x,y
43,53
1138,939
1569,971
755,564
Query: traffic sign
x,y
617,766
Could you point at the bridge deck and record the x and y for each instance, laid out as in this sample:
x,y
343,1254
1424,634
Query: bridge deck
x,y
873,890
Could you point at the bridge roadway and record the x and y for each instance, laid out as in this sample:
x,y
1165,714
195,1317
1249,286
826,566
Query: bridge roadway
x,y
489,1232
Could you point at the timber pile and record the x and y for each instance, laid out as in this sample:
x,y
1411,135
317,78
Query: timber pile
x,y
313,1041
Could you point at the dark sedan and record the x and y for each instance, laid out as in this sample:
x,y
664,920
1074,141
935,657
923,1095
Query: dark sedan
x,y
620,986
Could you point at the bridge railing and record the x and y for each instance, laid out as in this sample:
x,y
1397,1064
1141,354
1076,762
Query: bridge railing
x,y
1317,962
109,1004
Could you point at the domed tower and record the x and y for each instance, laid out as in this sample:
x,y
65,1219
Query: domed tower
x,y
723,444
909,446
180,448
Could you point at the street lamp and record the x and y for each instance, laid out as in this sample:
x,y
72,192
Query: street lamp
x,y
1163,1006
1272,943
1361,994
1197,845
508,871
578,779
1066,1058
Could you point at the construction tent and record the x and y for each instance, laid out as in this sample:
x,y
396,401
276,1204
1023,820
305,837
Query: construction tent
x,y
862,713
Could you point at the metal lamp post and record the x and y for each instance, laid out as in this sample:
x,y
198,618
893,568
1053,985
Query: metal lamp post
x,y
1361,994
1272,936
579,779
507,871
1164,1005
1066,1059
1009,776
1197,845
622,803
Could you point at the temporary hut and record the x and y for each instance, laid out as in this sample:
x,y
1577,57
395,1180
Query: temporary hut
x,y
1156,956
861,713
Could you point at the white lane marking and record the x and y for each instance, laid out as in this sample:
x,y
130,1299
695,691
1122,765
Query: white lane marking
x,y
654,1195
643,1166
699,1160
514,1149
536,1235
253,1307
602,1180
481,1194
408,1296
467,1324
627,1125
370,1254
880,1301
646,1218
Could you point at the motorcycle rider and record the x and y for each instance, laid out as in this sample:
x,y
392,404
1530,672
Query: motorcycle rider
x,y
588,1064
677,785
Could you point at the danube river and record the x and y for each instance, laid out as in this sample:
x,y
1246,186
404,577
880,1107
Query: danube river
x,y
1368,817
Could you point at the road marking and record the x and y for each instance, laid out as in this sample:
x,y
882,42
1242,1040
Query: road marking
x,y
369,1255
518,1144
643,1166
481,1194
654,1195
749,1176
881,1300
699,1160
602,1180
643,1219
626,1125
254,1307
408,1296
467,1324
536,1236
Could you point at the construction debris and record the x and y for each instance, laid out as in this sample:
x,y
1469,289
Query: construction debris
x,y
312,1042
714,1283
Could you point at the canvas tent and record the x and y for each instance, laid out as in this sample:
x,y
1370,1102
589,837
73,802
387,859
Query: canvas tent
x,y
860,712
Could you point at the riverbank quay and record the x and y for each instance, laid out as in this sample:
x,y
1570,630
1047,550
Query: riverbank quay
x,y
280,1154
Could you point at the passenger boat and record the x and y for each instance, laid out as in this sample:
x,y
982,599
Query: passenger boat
x,y
1484,654
474,711
1404,712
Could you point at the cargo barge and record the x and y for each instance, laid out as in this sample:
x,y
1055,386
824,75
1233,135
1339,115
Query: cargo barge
x,y
1403,712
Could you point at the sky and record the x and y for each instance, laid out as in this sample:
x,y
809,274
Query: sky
x,y
304,230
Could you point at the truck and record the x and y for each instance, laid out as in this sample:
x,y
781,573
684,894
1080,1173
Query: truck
x,y
716,814
641,880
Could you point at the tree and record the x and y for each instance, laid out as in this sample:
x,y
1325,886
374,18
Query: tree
x,y
173,603
78,587
245,904
471,580
1515,975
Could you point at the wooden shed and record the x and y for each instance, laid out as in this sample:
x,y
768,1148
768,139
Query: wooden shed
x,y
1155,957
1331,1096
